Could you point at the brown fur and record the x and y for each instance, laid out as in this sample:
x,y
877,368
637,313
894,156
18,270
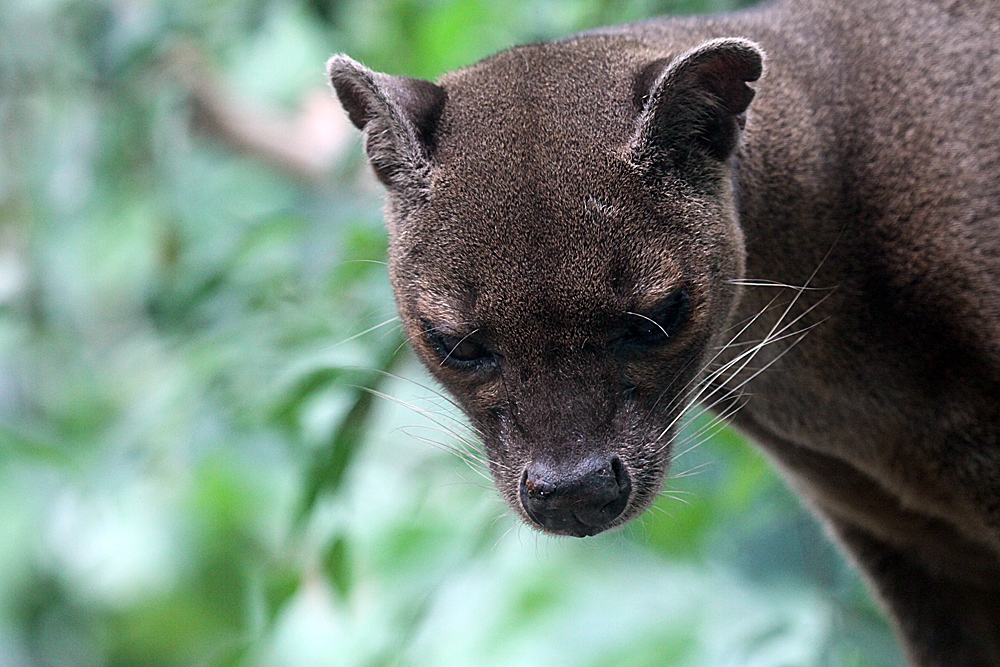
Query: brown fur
x,y
541,199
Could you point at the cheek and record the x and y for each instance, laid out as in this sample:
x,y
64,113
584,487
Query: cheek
x,y
661,379
482,400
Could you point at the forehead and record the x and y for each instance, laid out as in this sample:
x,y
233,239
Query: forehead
x,y
533,210
531,144
526,255
537,104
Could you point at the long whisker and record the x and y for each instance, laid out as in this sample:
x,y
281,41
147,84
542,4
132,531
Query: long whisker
x,y
435,418
749,354
681,395
694,470
362,333
472,462
650,319
450,352
716,423
774,283
465,448
439,394
669,494
706,388
776,334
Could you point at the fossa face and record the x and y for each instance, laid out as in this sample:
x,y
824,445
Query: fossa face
x,y
563,246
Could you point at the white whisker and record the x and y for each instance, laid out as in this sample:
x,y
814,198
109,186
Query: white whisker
x,y
362,333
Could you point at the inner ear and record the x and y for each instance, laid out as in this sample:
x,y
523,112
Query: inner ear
x,y
692,106
422,102
725,71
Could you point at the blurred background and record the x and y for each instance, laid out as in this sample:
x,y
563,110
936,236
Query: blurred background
x,y
192,301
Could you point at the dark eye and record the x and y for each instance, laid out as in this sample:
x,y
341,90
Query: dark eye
x,y
663,321
460,351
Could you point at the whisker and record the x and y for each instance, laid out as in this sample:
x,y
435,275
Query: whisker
x,y
464,449
669,494
706,387
364,261
388,332
801,334
431,416
362,333
452,350
713,426
773,283
473,425
695,470
776,334
681,396
650,319
506,532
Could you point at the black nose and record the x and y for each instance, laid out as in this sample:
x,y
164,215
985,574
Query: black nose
x,y
581,500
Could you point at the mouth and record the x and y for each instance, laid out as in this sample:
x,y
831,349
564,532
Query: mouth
x,y
578,500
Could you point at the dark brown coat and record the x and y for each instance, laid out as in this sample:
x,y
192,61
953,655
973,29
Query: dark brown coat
x,y
577,227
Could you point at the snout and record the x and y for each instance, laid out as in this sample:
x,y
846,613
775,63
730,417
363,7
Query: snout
x,y
580,500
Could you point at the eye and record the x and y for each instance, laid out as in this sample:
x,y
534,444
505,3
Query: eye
x,y
460,351
661,323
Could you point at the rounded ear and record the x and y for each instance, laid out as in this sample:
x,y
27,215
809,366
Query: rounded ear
x,y
398,116
692,107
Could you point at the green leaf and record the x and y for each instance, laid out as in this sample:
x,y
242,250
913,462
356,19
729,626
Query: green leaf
x,y
330,464
337,565
15,447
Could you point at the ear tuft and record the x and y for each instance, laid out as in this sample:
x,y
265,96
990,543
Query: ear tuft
x,y
398,115
692,105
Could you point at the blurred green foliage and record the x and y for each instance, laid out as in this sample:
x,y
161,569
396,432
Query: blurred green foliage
x,y
190,470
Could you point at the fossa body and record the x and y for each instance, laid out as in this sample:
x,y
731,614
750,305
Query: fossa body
x,y
588,235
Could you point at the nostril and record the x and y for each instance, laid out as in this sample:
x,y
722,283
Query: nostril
x,y
535,484
624,482
532,494
621,474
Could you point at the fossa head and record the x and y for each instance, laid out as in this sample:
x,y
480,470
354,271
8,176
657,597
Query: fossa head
x,y
563,241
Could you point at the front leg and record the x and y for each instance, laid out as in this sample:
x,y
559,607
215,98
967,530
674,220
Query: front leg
x,y
942,620
940,587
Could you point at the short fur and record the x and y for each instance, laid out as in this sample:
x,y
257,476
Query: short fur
x,y
541,199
